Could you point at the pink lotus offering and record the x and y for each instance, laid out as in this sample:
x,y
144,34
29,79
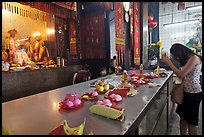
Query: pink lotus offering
x,y
77,102
134,78
112,95
141,81
90,96
146,74
115,97
69,103
99,102
106,101
108,104
132,73
94,94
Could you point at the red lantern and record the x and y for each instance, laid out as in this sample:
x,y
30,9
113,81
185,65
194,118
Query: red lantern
x,y
150,18
152,24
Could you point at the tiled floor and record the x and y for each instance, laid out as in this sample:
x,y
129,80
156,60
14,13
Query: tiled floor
x,y
174,123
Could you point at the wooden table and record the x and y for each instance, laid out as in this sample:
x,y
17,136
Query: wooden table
x,y
39,114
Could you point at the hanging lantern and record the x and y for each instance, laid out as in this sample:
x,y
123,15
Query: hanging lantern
x,y
152,24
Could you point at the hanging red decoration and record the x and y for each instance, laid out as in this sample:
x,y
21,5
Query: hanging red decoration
x,y
107,5
150,18
181,5
152,24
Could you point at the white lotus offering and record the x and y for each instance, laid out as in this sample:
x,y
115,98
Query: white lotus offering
x,y
118,98
112,95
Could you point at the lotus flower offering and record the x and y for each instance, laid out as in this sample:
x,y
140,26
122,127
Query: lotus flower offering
x,y
132,73
137,81
105,102
140,81
151,75
90,96
71,101
114,97
119,91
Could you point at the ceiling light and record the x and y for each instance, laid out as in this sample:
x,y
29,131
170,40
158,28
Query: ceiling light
x,y
181,23
194,7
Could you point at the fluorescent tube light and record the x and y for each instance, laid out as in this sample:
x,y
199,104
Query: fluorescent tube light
x,y
194,7
181,23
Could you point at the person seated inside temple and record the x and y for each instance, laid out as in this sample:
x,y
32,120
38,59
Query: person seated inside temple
x,y
103,71
28,49
111,70
11,44
114,61
20,57
41,53
82,75
5,64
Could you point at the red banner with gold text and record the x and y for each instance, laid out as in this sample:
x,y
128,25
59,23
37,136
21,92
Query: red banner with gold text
x,y
131,25
119,31
72,36
136,32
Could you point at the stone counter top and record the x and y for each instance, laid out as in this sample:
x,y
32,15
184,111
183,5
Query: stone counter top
x,y
23,83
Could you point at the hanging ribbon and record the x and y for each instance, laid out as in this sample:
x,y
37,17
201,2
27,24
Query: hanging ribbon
x,y
136,33
119,28
131,26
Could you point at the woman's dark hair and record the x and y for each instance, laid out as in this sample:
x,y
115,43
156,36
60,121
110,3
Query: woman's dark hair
x,y
102,68
181,53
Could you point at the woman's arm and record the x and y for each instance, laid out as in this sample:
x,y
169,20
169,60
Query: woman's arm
x,y
191,63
